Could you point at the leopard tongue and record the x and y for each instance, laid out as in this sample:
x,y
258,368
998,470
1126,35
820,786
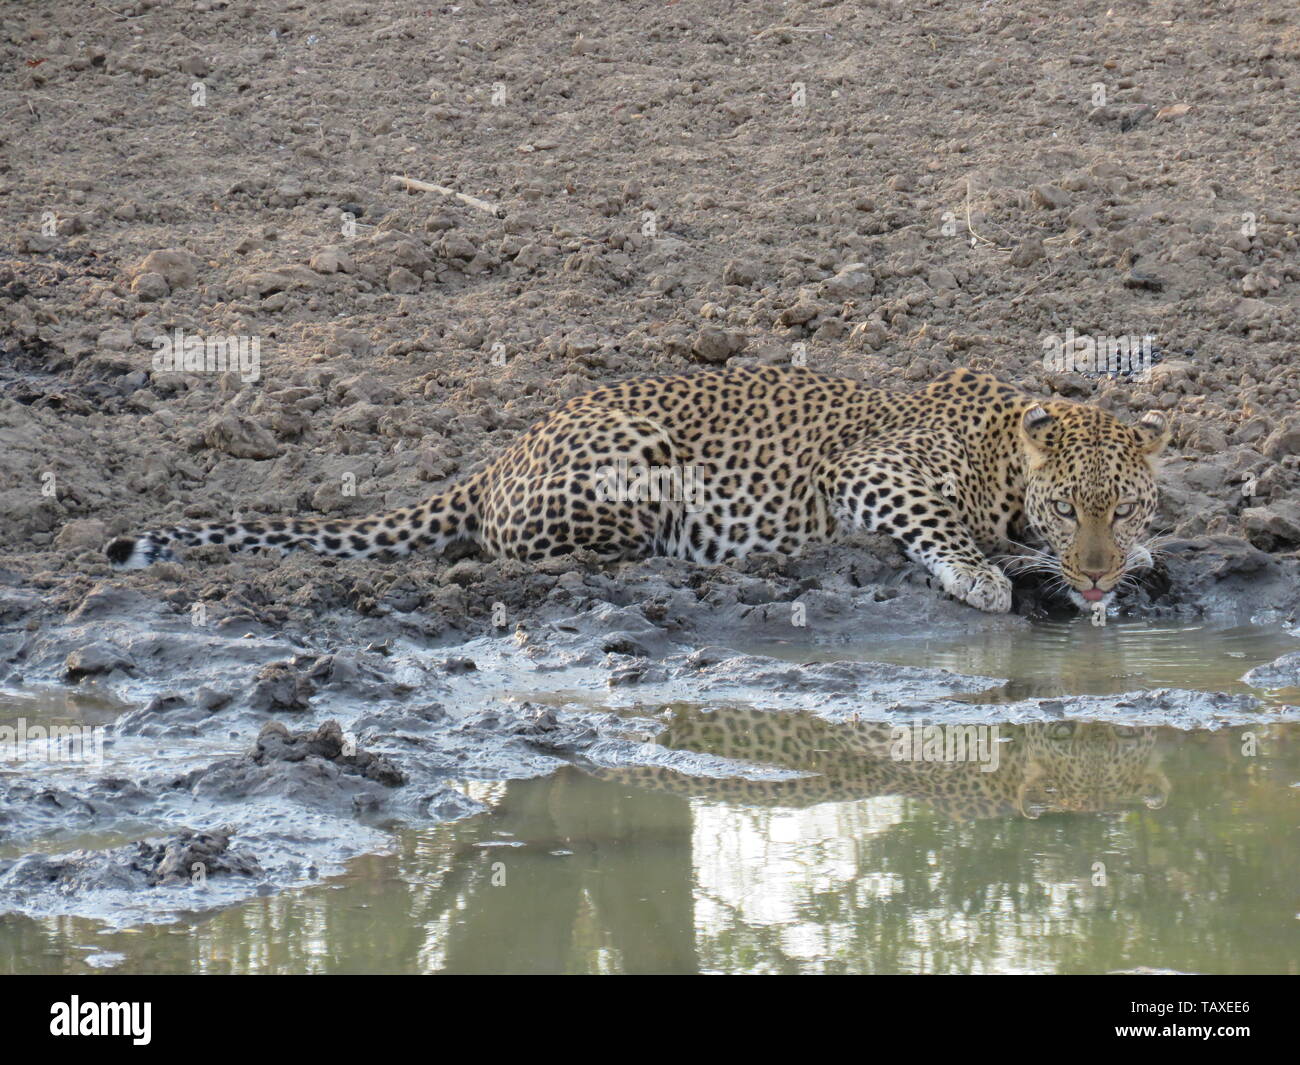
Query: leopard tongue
x,y
1093,595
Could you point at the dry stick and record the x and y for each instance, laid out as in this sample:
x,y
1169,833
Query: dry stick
x,y
792,29
442,190
1034,284
1024,291
119,14
971,229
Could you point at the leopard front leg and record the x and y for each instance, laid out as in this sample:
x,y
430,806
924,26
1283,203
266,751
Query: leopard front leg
x,y
892,494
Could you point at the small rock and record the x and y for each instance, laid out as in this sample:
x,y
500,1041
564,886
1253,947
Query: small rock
x,y
1084,217
332,261
277,688
177,266
1284,440
151,286
1139,280
851,282
402,281
1210,440
239,436
210,699
115,339
530,255
1139,116
714,345
80,534
942,279
803,311
737,272
94,659
1274,526
457,246
465,572
37,243
1282,673
1049,197
1028,252
172,863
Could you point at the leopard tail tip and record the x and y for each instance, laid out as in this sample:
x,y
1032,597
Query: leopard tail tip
x,y
129,552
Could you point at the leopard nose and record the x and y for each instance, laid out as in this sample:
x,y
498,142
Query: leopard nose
x,y
1096,575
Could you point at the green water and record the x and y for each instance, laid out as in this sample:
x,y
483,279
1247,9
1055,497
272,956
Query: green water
x,y
1055,658
1089,848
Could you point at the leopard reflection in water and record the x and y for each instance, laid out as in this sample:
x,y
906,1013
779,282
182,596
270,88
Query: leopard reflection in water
x,y
1041,767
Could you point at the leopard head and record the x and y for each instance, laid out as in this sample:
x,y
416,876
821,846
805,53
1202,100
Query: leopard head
x,y
1081,766
1090,492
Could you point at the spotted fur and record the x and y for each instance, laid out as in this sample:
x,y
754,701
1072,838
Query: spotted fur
x,y
1053,767
777,458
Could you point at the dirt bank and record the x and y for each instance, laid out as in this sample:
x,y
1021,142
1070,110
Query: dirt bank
x,y
671,197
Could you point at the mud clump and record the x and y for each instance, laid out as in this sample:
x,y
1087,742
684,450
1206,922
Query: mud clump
x,y
278,688
187,858
275,743
180,859
1283,672
96,658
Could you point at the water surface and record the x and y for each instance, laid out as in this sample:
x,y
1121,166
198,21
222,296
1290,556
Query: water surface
x,y
1090,848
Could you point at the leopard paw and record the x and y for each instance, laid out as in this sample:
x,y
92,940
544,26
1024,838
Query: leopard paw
x,y
983,587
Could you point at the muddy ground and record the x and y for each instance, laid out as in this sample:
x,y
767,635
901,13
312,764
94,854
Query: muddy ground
x,y
882,190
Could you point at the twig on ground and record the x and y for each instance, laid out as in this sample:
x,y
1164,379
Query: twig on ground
x,y
442,190
971,229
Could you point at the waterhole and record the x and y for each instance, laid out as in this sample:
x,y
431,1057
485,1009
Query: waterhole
x,y
1085,847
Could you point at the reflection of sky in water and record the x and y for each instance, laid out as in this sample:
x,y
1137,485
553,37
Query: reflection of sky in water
x,y
764,871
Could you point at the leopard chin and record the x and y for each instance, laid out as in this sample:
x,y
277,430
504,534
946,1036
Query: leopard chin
x,y
1087,606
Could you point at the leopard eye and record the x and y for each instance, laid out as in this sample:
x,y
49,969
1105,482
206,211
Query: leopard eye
x,y
1064,509
1125,510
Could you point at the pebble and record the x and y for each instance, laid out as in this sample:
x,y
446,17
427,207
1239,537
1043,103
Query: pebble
x,y
1284,440
714,345
176,266
1028,252
150,286
81,534
1049,197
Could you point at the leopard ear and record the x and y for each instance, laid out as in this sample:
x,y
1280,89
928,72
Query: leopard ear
x,y
1036,426
1152,433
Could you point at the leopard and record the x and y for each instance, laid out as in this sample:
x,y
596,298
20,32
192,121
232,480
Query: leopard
x,y
718,464
1041,767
